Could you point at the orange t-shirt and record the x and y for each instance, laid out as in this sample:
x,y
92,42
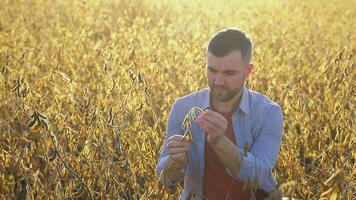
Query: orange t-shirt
x,y
217,181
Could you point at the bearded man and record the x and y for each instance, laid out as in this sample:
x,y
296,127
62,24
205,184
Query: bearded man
x,y
236,140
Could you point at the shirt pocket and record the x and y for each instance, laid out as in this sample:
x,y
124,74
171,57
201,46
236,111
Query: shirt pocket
x,y
243,131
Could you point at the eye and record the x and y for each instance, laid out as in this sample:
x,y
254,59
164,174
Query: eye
x,y
211,70
230,73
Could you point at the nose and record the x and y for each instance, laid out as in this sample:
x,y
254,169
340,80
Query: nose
x,y
219,80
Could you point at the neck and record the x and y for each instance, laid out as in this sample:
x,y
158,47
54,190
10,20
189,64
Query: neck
x,y
227,106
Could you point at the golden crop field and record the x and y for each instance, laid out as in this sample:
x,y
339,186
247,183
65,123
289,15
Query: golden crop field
x,y
86,87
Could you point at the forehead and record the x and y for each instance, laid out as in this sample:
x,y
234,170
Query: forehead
x,y
232,59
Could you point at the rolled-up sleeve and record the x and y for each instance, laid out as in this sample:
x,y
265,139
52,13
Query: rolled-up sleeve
x,y
260,160
173,128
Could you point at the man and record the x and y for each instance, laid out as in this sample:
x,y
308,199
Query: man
x,y
236,140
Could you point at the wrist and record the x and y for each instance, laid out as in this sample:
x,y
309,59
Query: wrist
x,y
215,140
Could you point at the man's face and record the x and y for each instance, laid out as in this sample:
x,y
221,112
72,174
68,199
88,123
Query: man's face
x,y
226,75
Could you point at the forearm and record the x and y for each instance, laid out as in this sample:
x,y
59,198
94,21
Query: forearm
x,y
228,153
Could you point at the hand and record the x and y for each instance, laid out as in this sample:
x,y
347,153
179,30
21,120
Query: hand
x,y
214,124
177,149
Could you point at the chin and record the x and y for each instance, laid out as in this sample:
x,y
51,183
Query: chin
x,y
221,97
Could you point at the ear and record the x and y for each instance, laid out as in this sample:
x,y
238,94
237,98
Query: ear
x,y
248,70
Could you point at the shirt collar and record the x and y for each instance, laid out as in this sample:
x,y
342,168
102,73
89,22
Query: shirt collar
x,y
206,99
244,104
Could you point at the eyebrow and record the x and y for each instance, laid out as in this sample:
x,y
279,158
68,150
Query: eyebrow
x,y
210,67
228,71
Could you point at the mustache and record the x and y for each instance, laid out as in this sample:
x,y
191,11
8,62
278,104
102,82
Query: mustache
x,y
220,87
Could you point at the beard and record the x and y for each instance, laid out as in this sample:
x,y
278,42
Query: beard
x,y
222,93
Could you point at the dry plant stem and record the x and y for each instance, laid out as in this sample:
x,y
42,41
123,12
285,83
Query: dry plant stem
x,y
191,115
65,164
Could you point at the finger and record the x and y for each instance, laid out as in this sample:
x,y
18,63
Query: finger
x,y
200,115
211,129
200,122
181,157
177,144
216,115
179,150
175,137
212,114
207,127
211,121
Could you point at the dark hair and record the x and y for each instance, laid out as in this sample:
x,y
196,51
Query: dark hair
x,y
232,39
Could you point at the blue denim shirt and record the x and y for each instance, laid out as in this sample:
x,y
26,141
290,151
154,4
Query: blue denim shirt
x,y
258,122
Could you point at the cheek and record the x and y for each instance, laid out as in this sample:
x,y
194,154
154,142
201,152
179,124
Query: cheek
x,y
211,77
236,80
